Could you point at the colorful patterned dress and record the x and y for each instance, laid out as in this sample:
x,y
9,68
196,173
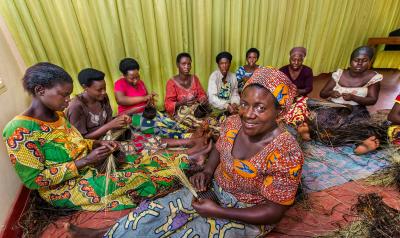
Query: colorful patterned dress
x,y
43,155
272,174
394,130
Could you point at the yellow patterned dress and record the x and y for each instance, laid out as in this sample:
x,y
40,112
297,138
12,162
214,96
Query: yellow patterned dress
x,y
43,155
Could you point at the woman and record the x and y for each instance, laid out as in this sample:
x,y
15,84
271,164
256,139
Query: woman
x,y
130,92
244,72
51,156
301,75
355,88
183,89
394,118
222,86
254,186
90,112
185,99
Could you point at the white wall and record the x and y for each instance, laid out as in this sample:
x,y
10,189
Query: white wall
x,y
12,102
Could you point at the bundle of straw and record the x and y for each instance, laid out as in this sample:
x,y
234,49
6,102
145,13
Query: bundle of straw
x,y
389,176
375,219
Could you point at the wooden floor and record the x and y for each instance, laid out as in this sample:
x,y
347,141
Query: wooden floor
x,y
390,88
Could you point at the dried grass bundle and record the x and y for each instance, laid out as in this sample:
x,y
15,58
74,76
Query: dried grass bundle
x,y
389,176
376,219
38,215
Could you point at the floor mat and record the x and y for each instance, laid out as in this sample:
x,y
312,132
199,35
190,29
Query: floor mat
x,y
325,167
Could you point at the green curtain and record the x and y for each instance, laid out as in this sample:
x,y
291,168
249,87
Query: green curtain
x,y
98,33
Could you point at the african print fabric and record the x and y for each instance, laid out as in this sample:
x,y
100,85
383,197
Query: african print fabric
x,y
161,125
273,174
185,116
394,134
298,112
43,156
173,216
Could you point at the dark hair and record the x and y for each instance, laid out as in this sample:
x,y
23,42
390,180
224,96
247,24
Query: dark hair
x,y
253,50
44,74
223,55
149,112
88,75
128,64
363,50
256,85
182,55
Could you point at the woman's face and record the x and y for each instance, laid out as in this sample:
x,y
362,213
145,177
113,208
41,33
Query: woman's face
x,y
251,58
132,77
224,64
97,90
360,63
296,61
57,97
257,111
185,65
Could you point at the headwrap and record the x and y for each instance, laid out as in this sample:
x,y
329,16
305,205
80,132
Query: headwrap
x,y
298,50
277,83
363,50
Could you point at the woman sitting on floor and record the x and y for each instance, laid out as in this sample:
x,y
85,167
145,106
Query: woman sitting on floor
x,y
354,88
301,75
50,155
130,92
253,186
394,118
185,99
244,72
222,86
90,112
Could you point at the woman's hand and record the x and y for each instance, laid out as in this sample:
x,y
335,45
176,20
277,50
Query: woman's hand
x,y
347,96
335,94
96,156
205,207
120,122
201,180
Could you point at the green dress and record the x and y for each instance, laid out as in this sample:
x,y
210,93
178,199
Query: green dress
x,y
43,155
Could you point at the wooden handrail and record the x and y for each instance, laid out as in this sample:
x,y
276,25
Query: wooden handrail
x,y
394,40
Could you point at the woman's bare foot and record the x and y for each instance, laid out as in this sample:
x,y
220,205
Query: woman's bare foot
x,y
368,145
75,231
304,131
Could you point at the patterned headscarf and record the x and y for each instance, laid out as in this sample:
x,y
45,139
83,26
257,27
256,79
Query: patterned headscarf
x,y
277,83
298,50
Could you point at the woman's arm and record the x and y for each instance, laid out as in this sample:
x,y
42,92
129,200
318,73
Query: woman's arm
x,y
268,213
117,123
171,98
394,115
327,91
129,101
370,99
202,179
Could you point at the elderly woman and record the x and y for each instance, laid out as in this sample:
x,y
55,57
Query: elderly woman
x,y
51,156
183,89
90,112
244,72
222,85
253,187
301,75
354,88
